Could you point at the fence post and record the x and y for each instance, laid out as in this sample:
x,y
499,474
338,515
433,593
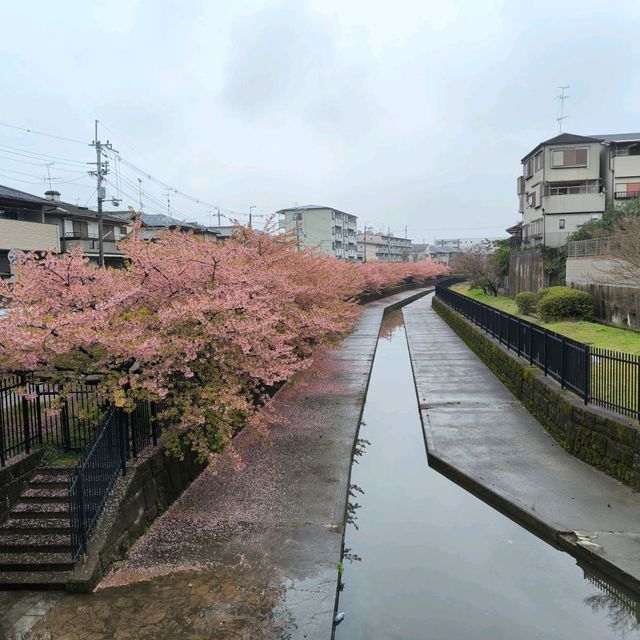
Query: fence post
x,y
25,419
2,451
131,430
587,372
39,416
81,511
122,429
154,422
66,430
519,337
562,359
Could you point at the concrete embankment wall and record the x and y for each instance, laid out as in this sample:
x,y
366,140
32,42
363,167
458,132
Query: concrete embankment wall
x,y
149,488
14,479
600,438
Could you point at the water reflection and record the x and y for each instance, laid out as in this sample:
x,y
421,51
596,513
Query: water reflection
x,y
429,560
619,605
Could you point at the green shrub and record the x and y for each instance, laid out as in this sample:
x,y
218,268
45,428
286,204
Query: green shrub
x,y
527,301
564,302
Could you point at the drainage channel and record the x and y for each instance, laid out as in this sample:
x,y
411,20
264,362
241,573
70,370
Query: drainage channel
x,y
424,559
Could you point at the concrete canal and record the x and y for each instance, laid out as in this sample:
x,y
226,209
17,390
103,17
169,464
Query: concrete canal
x,y
426,559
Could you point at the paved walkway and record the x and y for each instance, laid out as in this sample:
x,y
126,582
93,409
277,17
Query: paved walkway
x,y
482,437
251,554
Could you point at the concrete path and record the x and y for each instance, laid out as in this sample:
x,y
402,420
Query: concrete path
x,y
250,554
482,437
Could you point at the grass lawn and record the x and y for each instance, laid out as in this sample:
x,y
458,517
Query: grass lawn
x,y
599,335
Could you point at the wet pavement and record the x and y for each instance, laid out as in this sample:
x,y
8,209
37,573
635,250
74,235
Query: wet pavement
x,y
425,559
241,554
479,433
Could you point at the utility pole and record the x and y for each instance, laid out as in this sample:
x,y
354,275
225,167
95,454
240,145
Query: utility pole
x,y
251,208
102,168
218,208
364,255
168,203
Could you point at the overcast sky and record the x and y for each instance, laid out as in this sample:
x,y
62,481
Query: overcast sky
x,y
403,113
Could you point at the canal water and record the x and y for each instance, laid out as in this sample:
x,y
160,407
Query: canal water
x,y
424,559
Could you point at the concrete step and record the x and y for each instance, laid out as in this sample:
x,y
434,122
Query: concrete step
x,y
26,526
40,510
58,472
41,543
33,579
35,561
48,482
45,496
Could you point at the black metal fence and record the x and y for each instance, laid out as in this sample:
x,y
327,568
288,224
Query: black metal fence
x,y
36,411
119,436
604,378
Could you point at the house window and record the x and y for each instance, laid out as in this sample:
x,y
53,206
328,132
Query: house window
x,y
297,215
561,223
526,168
570,157
80,229
531,199
539,161
108,231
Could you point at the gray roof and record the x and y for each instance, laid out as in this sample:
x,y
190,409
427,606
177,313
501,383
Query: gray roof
x,y
160,221
620,137
80,212
564,138
13,194
312,207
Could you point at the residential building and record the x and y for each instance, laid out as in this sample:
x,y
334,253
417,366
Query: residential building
x,y
466,244
31,223
23,226
153,223
324,228
443,254
570,179
380,246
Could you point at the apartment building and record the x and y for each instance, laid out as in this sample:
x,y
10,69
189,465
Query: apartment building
x,y
379,246
571,179
324,228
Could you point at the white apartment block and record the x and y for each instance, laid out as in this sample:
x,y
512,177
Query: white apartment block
x,y
570,179
324,228
379,246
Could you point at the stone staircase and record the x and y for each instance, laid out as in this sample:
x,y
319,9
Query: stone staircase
x,y
35,540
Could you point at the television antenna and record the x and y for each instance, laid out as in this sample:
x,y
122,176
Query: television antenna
x,y
562,97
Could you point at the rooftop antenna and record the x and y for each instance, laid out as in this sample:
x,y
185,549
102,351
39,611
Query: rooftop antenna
x,y
562,97
48,178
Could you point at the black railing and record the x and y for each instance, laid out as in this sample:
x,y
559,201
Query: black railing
x,y
604,378
119,436
35,411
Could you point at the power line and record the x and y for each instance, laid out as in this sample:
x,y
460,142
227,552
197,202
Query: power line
x,y
39,164
34,155
41,133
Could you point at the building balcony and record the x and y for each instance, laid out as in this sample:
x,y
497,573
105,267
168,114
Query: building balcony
x,y
29,236
90,245
585,202
626,195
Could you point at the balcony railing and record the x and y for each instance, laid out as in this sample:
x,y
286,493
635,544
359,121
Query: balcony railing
x,y
579,189
90,245
626,195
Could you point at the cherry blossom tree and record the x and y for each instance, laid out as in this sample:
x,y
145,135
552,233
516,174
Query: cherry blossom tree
x,y
210,328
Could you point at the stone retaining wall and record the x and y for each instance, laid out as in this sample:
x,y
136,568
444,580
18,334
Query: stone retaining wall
x,y
151,485
14,479
604,440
